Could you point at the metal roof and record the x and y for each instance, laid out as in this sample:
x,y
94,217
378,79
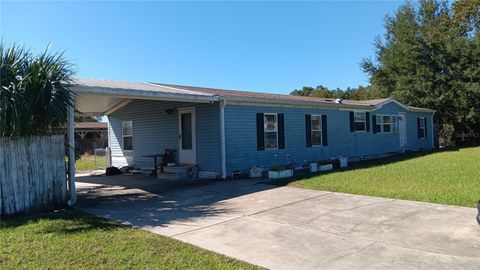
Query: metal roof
x,y
226,94
181,92
137,86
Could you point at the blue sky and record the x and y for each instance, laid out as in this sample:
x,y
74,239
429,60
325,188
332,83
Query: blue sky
x,y
258,46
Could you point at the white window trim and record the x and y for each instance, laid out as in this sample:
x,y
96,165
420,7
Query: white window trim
x,y
123,136
424,120
382,124
265,131
354,121
311,130
394,124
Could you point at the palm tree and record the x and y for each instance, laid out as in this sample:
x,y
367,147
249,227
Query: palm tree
x,y
35,92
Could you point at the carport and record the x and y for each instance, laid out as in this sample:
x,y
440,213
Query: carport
x,y
104,97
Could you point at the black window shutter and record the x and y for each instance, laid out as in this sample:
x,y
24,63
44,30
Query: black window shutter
x,y
281,131
308,129
425,125
324,130
418,128
367,120
374,123
352,123
260,132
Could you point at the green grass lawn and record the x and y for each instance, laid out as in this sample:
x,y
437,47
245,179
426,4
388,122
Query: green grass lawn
x,y
446,177
87,162
75,240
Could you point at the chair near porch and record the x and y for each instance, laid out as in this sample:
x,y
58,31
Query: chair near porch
x,y
167,157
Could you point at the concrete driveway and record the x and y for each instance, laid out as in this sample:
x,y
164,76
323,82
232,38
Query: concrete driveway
x,y
290,228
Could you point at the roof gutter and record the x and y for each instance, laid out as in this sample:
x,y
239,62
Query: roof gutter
x,y
424,110
266,101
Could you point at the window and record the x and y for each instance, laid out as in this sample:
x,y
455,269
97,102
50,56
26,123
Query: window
x,y
316,130
271,130
385,123
360,121
127,134
421,128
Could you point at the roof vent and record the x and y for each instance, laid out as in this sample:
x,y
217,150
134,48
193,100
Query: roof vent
x,y
338,100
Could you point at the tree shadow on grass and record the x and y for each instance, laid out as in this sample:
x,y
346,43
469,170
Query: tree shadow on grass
x,y
62,222
364,164
76,221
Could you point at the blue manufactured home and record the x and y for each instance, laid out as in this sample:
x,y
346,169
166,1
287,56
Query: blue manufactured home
x,y
222,131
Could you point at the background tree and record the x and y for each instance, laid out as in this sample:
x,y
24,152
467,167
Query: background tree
x,y
35,91
320,91
430,57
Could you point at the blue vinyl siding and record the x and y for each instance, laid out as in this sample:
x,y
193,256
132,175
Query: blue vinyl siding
x,y
412,137
154,131
241,148
413,143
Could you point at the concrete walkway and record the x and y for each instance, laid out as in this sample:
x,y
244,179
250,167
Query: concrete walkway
x,y
290,228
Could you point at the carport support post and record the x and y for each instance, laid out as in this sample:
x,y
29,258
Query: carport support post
x,y
222,139
71,154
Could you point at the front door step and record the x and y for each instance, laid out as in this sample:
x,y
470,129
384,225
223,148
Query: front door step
x,y
174,173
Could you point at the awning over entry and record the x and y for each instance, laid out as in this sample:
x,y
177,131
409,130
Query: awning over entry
x,y
102,97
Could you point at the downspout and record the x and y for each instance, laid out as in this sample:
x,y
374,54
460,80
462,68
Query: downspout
x,y
222,139
109,150
433,132
71,156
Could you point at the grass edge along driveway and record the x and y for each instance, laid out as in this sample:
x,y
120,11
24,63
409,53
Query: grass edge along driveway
x,y
76,240
449,177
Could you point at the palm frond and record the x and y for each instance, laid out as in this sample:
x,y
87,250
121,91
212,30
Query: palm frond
x,y
35,91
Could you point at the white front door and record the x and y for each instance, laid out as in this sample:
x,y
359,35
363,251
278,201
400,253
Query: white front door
x,y
187,142
402,129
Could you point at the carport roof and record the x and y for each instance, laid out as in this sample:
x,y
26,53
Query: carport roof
x,y
122,87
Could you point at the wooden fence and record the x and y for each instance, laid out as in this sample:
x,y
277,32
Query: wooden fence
x,y
32,174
